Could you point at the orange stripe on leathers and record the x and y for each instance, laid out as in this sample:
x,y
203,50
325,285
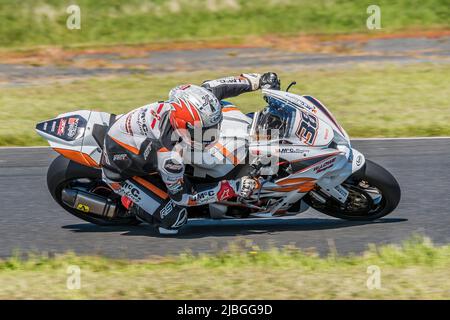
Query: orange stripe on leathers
x,y
126,146
160,193
77,156
228,109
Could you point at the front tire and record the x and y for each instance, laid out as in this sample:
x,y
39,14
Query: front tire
x,y
374,193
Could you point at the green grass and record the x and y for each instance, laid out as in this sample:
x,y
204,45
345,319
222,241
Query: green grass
x,y
43,22
415,270
368,101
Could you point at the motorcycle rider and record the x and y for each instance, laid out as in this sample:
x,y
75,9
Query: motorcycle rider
x,y
153,138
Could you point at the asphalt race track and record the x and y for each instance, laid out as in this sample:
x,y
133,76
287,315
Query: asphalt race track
x,y
31,221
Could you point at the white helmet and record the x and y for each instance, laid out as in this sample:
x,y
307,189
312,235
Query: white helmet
x,y
196,115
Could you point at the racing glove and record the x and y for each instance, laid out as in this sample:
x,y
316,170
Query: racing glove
x,y
247,186
269,80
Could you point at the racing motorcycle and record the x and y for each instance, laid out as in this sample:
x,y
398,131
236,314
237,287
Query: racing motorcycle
x,y
302,157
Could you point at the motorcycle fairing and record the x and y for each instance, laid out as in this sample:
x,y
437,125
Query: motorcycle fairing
x,y
72,135
311,163
312,107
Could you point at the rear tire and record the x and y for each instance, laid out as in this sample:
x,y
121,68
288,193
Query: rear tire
x,y
61,172
375,176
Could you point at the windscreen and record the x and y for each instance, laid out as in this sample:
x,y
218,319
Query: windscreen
x,y
275,121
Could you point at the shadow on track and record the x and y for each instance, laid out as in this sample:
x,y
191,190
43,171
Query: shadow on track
x,y
225,228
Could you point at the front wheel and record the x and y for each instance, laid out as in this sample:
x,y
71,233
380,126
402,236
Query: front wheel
x,y
373,193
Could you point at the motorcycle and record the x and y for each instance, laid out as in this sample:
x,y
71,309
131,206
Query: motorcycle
x,y
302,157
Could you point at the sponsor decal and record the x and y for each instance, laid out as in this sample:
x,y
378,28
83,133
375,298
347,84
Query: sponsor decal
x,y
204,196
227,80
325,165
172,166
83,207
184,87
181,220
45,126
232,80
302,103
73,127
292,150
53,126
155,115
226,191
120,157
128,123
105,156
167,209
131,192
342,191
358,160
176,187
141,121
215,118
147,150
61,127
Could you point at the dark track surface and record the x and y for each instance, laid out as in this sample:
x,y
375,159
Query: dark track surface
x,y
31,220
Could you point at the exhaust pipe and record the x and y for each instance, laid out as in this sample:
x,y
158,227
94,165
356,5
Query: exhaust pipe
x,y
89,203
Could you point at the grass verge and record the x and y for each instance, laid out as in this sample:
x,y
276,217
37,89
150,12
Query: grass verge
x,y
43,22
368,101
415,270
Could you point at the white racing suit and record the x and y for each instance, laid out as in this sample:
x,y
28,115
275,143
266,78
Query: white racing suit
x,y
139,143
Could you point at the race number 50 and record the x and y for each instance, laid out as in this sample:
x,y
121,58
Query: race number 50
x,y
307,130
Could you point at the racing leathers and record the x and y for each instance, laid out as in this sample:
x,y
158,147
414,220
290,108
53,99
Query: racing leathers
x,y
143,141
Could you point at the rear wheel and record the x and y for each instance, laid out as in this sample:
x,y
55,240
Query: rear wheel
x,y
373,193
64,173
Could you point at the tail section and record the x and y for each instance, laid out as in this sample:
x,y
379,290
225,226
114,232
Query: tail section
x,y
78,135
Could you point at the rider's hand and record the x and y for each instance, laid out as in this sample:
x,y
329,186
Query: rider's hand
x,y
247,186
269,80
